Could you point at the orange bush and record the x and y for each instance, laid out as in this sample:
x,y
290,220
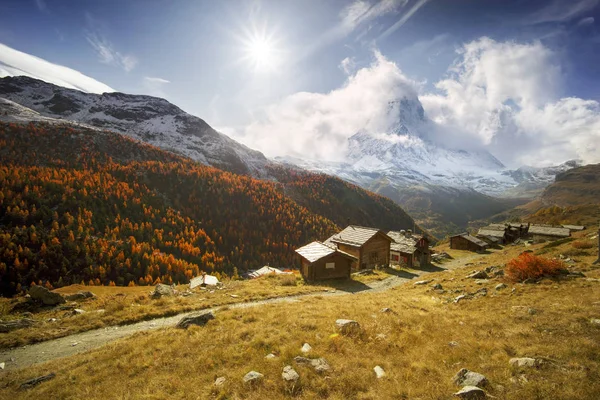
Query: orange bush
x,y
582,245
529,266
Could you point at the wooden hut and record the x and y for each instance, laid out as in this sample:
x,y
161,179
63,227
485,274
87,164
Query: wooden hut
x,y
370,246
464,241
321,261
409,249
548,233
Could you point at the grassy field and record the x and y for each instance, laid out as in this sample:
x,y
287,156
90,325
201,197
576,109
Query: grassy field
x,y
421,344
125,305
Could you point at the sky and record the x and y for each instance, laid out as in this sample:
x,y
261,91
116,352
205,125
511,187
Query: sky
x,y
519,78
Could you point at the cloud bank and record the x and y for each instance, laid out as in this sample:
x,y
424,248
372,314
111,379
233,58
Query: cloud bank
x,y
501,96
14,63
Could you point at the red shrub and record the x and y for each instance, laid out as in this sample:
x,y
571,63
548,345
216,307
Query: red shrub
x,y
528,266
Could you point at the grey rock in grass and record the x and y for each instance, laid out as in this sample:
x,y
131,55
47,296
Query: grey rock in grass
x,y
78,311
348,326
471,393
7,326
45,296
163,290
199,320
525,362
289,374
595,321
270,356
319,364
500,286
437,286
418,283
379,372
464,377
253,377
220,381
306,348
478,275
80,296
36,381
386,310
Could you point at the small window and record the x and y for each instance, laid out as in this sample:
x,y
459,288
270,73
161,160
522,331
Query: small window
x,y
330,265
395,257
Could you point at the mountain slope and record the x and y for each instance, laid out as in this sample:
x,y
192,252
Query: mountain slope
x,y
150,119
78,204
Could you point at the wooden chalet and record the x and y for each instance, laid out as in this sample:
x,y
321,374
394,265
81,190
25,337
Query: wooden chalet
x,y
370,246
494,234
321,261
546,233
464,241
409,249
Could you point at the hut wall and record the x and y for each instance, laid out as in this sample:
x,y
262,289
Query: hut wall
x,y
375,252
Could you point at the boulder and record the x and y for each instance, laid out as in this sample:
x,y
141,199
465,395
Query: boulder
x,y
253,377
78,311
36,381
199,320
289,374
464,377
7,326
525,362
163,290
379,372
500,286
79,296
386,310
270,356
470,393
319,364
437,286
45,296
478,275
306,348
220,381
347,326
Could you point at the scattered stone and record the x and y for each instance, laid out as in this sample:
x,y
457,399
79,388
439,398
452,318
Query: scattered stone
x,y
532,311
220,381
379,372
253,377
162,290
319,364
79,296
501,286
27,314
306,348
386,310
481,292
289,374
36,381
45,296
270,356
470,393
7,326
199,320
78,311
478,275
348,326
461,297
437,286
381,336
52,320
235,296
525,362
498,273
464,377
74,344
453,344
595,321
418,283
2,365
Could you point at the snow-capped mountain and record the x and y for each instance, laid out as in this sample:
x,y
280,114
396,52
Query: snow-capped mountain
x,y
150,119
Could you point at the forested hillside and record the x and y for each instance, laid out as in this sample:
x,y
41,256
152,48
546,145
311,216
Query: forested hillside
x,y
81,205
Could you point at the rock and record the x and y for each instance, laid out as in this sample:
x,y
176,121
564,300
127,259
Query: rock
x,y
45,296
478,275
162,290
78,311
306,348
437,286
199,320
289,374
379,372
470,393
498,273
235,296
500,286
220,381
7,326
422,282
319,364
2,365
453,344
79,296
253,377
348,326
464,377
52,320
386,310
27,314
36,381
524,362
74,344
270,356
595,321
481,292
461,297
532,311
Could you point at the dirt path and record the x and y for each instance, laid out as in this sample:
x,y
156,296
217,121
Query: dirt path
x,y
25,356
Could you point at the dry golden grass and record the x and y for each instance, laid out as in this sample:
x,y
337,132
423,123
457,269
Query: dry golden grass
x,y
414,349
126,305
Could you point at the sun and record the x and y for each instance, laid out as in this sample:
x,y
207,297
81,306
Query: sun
x,y
261,49
261,53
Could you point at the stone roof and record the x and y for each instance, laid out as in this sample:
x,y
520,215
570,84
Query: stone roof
x,y
548,230
491,232
316,250
356,235
403,243
574,227
472,239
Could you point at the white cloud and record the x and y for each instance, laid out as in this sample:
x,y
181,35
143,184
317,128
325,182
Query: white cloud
x,y
586,21
403,19
561,11
347,65
156,79
105,50
14,63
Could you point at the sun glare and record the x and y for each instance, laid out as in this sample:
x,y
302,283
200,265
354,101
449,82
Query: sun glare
x,y
261,50
261,53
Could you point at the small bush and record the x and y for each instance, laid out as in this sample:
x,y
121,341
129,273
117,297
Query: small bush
x,y
529,266
582,245
287,280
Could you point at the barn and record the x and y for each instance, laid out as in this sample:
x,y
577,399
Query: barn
x,y
464,241
547,233
370,246
409,249
321,261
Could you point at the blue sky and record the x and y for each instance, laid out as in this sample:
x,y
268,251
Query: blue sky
x,y
200,55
